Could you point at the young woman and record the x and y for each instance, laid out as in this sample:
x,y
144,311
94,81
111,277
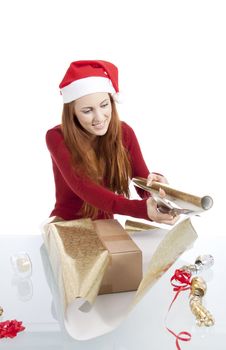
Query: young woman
x,y
94,154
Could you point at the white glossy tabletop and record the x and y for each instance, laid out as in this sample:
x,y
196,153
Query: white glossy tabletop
x,y
29,299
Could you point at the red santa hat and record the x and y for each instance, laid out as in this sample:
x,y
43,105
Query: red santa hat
x,y
87,77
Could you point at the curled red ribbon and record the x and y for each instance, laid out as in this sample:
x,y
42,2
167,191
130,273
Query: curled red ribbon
x,y
9,329
183,279
179,337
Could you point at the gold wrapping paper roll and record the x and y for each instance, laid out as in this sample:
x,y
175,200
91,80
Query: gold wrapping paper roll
x,y
136,226
205,202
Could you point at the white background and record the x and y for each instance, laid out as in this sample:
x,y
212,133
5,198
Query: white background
x,y
171,57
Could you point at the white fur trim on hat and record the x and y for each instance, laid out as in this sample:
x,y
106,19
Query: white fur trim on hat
x,y
86,86
118,97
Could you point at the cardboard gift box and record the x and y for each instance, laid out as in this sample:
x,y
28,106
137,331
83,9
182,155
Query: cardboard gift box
x,y
124,271
92,257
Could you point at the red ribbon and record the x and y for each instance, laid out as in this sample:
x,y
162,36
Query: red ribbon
x,y
183,279
9,329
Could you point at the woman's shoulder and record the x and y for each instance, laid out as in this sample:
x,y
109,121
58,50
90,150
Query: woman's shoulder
x,y
126,127
127,131
53,131
53,134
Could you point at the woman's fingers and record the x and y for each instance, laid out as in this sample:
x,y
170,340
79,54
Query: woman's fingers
x,y
150,179
156,177
167,219
162,193
157,216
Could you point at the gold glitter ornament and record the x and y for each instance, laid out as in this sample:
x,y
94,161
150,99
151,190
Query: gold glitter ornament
x,y
1,311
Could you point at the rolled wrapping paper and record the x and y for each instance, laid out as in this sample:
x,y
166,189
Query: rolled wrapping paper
x,y
184,200
136,226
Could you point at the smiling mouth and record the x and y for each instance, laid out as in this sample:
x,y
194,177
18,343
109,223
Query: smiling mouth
x,y
99,125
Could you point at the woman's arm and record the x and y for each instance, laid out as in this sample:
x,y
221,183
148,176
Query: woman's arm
x,y
87,190
97,195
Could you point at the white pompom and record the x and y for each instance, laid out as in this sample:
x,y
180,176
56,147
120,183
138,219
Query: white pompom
x,y
118,97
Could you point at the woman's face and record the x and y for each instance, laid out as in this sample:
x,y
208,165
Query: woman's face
x,y
94,112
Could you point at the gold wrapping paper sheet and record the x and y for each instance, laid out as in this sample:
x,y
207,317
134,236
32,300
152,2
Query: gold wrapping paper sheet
x,y
182,199
82,277
136,226
170,248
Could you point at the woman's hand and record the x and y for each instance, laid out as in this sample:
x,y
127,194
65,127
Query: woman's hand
x,y
156,177
152,208
155,215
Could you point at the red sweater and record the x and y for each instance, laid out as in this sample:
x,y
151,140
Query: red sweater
x,y
72,190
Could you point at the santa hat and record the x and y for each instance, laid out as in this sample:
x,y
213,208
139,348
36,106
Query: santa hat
x,y
87,77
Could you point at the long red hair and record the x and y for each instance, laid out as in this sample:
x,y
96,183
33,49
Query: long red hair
x,y
105,161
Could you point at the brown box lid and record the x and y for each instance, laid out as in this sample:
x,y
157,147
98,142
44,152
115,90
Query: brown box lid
x,y
114,237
